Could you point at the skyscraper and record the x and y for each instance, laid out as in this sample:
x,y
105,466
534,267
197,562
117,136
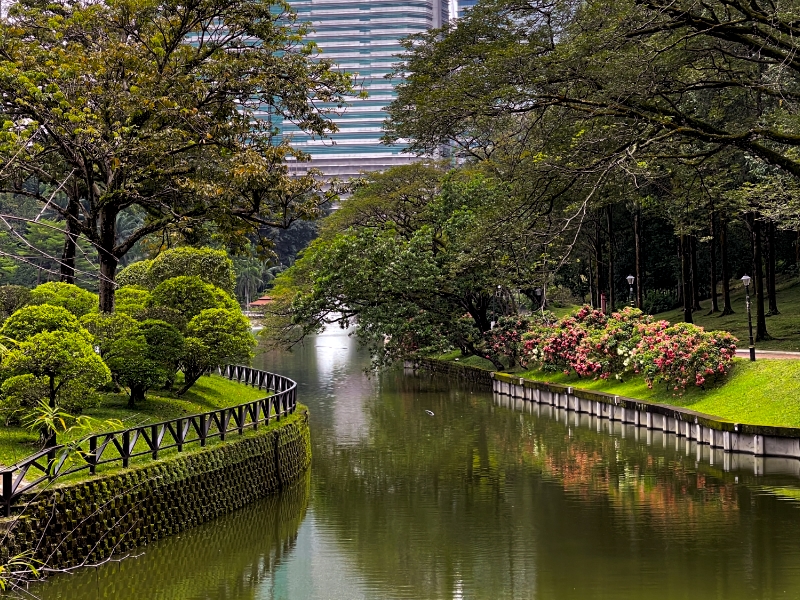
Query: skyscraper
x,y
362,37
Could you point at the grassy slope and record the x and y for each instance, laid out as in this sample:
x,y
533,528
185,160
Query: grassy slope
x,y
766,392
784,328
207,394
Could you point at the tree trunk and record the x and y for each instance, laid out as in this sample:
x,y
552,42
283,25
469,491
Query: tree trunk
x,y
108,261
137,395
48,436
771,260
70,242
598,260
758,276
610,226
189,379
727,309
713,248
695,274
686,278
637,234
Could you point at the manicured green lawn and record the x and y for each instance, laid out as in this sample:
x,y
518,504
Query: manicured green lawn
x,y
784,328
207,394
766,392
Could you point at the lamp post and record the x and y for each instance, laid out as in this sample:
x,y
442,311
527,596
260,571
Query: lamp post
x,y
630,279
746,282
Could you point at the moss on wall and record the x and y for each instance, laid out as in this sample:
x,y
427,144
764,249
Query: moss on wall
x,y
88,521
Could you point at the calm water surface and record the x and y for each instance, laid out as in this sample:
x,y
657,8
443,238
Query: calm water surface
x,y
477,501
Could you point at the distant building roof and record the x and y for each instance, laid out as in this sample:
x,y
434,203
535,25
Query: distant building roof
x,y
263,301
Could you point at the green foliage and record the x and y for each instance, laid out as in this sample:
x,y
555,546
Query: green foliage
x,y
162,313
135,274
189,295
213,338
417,276
32,320
131,299
54,366
132,364
108,328
107,124
76,300
12,298
212,266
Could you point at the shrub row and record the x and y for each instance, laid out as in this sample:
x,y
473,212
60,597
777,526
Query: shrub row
x,y
593,344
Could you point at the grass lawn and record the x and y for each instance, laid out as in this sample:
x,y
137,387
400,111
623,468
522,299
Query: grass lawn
x,y
766,392
207,394
784,328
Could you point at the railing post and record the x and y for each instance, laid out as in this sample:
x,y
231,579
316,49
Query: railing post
x,y
92,455
51,459
7,493
154,438
241,419
126,451
202,431
179,441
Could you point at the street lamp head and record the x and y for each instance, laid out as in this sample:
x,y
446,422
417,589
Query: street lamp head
x,y
630,279
746,280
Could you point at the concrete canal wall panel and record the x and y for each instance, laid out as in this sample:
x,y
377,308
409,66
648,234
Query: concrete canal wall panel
x,y
87,521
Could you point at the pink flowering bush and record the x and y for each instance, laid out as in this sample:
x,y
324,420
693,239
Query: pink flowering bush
x,y
556,347
607,351
505,341
683,354
589,343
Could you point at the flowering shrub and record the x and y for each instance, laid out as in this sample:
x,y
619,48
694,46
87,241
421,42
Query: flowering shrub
x,y
607,351
505,339
683,354
591,344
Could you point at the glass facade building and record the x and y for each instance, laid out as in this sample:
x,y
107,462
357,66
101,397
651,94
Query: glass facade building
x,y
361,37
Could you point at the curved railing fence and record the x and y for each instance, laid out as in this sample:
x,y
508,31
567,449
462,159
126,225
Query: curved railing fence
x,y
148,440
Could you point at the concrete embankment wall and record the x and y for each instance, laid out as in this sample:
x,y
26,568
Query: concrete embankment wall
x,y
731,437
87,521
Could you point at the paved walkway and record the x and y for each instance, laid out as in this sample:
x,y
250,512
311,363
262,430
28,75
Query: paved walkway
x,y
769,354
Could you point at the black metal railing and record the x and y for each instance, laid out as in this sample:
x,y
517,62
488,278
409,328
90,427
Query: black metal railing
x,y
149,440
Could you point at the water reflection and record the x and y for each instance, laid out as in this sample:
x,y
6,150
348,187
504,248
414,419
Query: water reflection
x,y
238,556
480,501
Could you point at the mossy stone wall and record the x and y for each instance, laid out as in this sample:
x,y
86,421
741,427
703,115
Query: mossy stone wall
x,y
85,522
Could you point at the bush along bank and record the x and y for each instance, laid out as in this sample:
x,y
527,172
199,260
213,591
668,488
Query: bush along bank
x,y
590,343
84,523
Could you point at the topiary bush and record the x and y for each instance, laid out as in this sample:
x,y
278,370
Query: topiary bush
x,y
30,320
76,300
190,296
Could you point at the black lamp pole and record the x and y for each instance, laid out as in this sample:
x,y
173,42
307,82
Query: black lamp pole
x,y
630,279
746,282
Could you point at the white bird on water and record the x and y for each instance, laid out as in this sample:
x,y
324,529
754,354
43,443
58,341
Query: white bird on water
x,y
430,412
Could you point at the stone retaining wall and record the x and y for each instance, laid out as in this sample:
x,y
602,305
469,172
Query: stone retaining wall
x,y
85,522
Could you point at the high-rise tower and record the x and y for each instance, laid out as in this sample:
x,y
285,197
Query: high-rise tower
x,y
362,37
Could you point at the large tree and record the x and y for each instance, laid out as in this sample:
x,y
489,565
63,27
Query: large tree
x,y
164,107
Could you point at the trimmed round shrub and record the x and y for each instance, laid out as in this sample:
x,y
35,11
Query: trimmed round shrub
x,y
131,299
31,320
76,300
190,296
135,274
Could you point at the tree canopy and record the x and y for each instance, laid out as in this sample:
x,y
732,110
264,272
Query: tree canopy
x,y
157,107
